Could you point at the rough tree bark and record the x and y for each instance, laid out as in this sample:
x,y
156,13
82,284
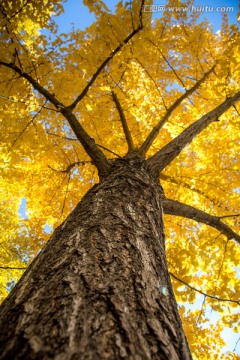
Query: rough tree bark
x,y
100,289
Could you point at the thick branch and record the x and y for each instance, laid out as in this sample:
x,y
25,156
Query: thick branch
x,y
107,60
155,131
48,96
124,123
201,292
169,152
173,207
97,156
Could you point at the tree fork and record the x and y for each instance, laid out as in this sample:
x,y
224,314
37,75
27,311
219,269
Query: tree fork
x,y
100,289
97,156
169,152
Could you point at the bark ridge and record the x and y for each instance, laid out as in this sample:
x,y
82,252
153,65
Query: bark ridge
x,y
100,289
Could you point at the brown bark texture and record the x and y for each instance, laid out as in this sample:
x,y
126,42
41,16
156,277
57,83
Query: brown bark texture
x,y
100,288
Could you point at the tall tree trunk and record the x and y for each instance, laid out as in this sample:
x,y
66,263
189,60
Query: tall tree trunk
x,y
100,289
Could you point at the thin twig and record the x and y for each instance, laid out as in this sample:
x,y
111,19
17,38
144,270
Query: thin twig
x,y
155,131
201,292
227,216
71,166
154,81
25,128
107,60
65,196
27,103
235,347
234,106
12,268
174,71
104,148
75,139
16,13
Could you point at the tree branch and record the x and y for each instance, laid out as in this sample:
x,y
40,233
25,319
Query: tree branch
x,y
48,96
71,166
17,12
155,131
25,128
169,152
172,68
27,103
227,216
173,207
97,156
201,292
153,80
106,149
126,130
168,178
75,139
106,61
88,143
12,268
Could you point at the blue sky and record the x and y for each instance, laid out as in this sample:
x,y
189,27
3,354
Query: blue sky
x,y
77,13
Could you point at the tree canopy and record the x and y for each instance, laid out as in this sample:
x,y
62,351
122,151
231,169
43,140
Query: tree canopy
x,y
169,89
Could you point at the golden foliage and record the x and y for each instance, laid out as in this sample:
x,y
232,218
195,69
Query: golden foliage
x,y
42,162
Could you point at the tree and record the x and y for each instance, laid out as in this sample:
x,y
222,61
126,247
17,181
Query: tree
x,y
136,101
